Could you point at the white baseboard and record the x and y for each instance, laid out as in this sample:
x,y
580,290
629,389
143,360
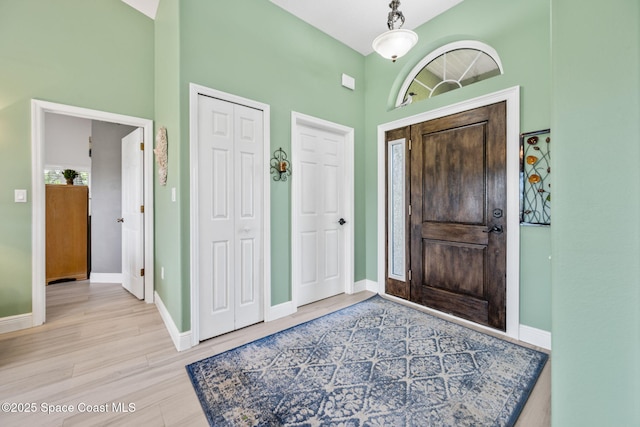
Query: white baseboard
x,y
280,310
105,277
182,340
15,323
365,285
534,336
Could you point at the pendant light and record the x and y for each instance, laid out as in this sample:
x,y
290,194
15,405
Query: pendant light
x,y
396,42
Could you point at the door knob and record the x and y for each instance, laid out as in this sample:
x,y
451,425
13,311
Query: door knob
x,y
341,221
494,229
120,220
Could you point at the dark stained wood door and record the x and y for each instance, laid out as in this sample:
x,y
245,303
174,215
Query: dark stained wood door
x,y
457,225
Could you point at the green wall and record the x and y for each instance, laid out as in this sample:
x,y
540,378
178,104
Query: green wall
x,y
271,57
71,53
168,216
68,52
596,232
520,35
279,60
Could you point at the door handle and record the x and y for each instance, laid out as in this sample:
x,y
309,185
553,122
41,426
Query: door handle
x,y
341,221
120,220
494,229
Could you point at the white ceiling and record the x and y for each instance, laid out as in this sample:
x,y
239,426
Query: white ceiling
x,y
148,7
357,22
353,22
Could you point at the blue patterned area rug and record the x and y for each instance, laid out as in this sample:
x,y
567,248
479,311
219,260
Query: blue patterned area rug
x,y
376,363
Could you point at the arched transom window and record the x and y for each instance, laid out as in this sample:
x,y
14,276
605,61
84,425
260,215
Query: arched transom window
x,y
450,67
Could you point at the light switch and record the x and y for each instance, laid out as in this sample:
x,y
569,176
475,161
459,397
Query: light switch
x,y
20,196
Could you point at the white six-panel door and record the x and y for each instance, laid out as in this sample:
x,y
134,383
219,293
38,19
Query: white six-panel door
x,y
319,208
230,199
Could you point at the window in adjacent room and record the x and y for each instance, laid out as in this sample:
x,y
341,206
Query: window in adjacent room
x,y
54,176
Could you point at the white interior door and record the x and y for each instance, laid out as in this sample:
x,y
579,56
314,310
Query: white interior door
x,y
230,182
321,214
133,213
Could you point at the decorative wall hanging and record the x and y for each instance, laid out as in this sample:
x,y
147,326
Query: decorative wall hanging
x,y
280,166
161,154
535,182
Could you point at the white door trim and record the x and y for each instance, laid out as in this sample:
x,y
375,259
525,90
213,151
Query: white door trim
x,y
297,120
196,90
38,110
512,98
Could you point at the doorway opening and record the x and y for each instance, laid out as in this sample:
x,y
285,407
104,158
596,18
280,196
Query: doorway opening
x,y
456,238
511,98
39,110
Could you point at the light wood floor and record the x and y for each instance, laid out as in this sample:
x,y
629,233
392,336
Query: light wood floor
x,y
101,346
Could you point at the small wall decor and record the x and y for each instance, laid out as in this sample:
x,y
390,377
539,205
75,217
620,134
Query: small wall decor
x,y
535,182
161,154
280,166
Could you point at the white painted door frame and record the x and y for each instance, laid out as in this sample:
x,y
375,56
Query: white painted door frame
x,y
512,98
195,91
38,111
297,120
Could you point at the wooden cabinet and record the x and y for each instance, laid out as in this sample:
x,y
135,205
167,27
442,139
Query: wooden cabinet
x,y
67,234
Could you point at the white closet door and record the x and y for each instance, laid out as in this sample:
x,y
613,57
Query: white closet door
x,y
230,147
320,207
248,219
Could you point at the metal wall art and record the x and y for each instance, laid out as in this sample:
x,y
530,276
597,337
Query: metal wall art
x,y
535,182
280,166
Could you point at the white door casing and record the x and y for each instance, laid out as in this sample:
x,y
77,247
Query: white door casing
x,y
322,192
512,98
230,181
38,110
132,218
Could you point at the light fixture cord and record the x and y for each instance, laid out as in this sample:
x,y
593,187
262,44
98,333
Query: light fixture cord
x,y
395,15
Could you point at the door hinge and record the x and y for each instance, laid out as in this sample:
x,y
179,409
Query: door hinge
x,y
409,145
142,146
409,209
409,275
141,208
142,272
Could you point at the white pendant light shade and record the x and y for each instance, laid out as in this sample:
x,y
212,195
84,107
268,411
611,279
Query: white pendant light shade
x,y
394,44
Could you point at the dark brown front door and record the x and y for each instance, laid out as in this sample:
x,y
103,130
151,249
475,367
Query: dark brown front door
x,y
458,215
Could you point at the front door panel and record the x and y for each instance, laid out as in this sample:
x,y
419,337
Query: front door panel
x,y
458,248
